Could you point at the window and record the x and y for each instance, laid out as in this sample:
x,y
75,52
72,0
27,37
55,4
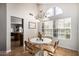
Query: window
x,y
58,11
53,12
58,28
48,28
50,12
62,28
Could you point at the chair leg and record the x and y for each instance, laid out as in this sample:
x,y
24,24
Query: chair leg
x,y
50,54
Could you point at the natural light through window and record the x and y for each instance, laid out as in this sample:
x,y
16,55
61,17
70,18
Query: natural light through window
x,y
60,28
63,28
58,11
53,12
50,12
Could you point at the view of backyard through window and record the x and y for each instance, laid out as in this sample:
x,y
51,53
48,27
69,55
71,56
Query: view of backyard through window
x,y
60,28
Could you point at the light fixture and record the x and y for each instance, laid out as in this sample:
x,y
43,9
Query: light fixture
x,y
30,14
40,16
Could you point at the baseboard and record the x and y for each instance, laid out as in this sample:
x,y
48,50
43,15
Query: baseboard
x,y
8,51
78,52
4,52
68,49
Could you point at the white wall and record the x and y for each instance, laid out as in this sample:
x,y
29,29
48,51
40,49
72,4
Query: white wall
x,y
2,27
68,10
22,11
78,26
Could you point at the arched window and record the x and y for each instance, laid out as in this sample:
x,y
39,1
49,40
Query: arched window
x,y
58,11
50,12
53,12
59,28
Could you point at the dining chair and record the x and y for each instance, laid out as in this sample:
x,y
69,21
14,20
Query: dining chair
x,y
51,49
31,48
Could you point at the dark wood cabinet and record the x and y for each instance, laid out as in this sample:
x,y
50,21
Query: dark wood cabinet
x,y
18,37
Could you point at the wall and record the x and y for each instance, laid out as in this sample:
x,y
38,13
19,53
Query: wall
x,y
68,10
78,26
2,27
21,11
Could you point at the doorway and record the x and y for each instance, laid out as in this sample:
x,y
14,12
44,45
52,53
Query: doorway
x,y
17,31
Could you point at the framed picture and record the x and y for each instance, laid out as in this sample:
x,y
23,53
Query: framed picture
x,y
31,25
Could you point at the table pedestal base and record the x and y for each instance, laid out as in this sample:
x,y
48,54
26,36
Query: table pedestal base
x,y
40,53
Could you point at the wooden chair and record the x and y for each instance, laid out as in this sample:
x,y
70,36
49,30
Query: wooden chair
x,y
51,49
31,48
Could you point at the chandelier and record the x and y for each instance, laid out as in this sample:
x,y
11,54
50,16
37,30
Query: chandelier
x,y
40,16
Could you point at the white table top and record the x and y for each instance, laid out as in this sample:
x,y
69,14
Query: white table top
x,y
45,41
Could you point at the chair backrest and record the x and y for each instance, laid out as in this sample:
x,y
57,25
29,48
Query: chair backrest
x,y
56,44
26,43
28,40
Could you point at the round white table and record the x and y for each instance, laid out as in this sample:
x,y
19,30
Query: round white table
x,y
40,43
